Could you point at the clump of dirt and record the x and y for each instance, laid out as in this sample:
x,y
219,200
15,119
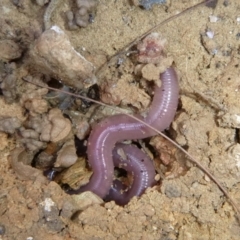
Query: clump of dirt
x,y
204,46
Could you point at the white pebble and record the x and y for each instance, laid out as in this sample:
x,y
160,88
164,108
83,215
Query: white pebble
x,y
213,18
48,204
210,34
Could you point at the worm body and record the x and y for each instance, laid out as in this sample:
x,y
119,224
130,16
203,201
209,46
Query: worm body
x,y
120,127
139,165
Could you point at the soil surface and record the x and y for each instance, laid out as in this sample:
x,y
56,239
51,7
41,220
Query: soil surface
x,y
205,47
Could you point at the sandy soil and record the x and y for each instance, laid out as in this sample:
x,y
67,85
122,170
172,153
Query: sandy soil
x,y
183,206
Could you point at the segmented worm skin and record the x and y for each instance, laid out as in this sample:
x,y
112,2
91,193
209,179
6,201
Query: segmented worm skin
x,y
140,166
117,128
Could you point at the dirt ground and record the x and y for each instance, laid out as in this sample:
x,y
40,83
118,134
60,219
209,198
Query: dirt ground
x,y
205,47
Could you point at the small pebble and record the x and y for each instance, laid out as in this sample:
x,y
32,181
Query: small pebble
x,y
213,18
2,229
9,50
172,191
147,4
210,34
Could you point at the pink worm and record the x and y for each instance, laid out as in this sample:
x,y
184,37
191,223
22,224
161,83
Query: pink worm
x,y
117,128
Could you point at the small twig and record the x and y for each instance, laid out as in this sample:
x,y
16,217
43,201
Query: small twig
x,y
206,99
48,13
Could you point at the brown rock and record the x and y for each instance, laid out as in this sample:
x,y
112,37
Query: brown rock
x,y
9,50
53,54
